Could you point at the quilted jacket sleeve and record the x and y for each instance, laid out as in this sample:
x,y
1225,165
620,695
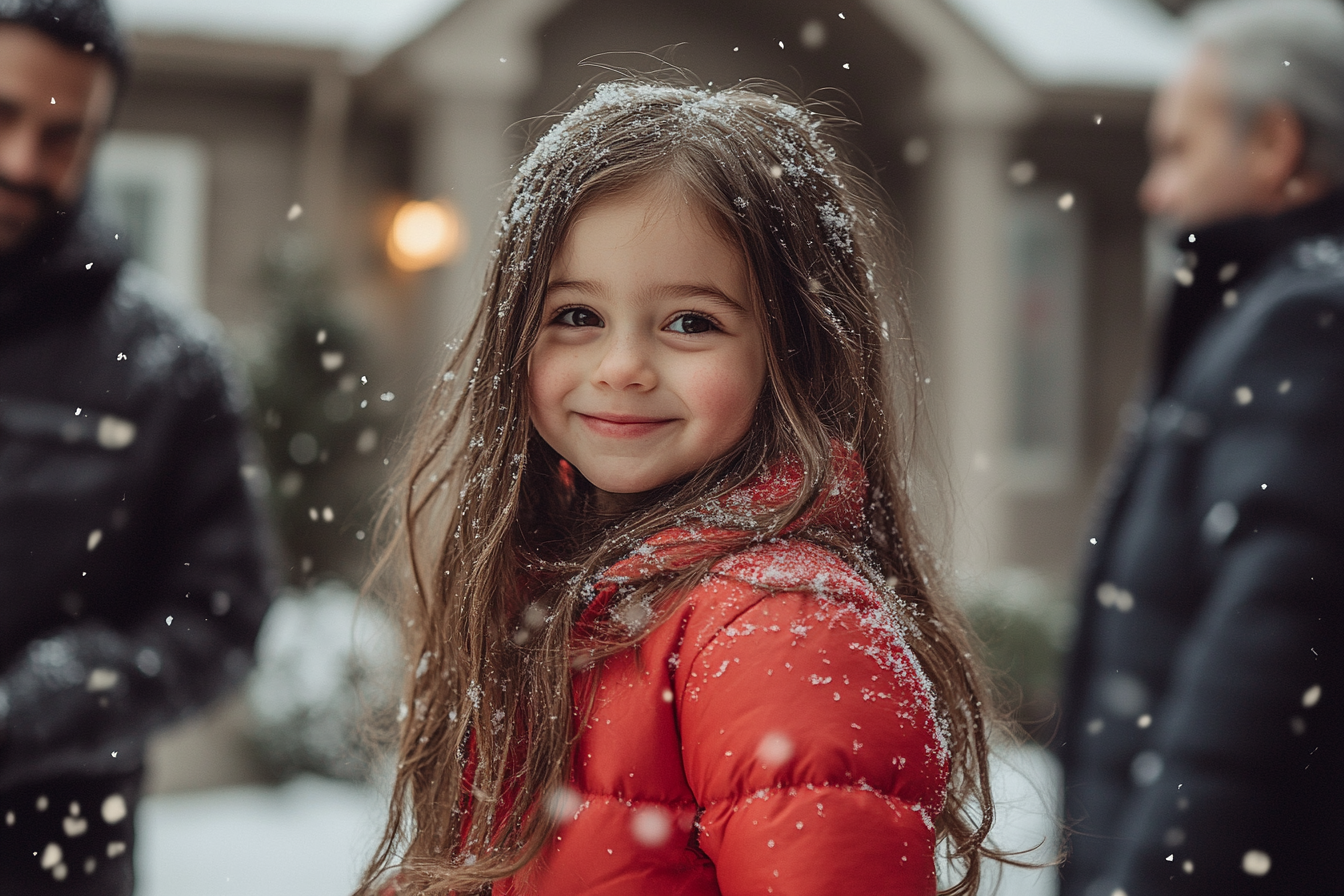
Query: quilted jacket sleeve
x,y
810,744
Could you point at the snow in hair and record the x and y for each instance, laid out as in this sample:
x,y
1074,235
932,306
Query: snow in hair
x,y
784,140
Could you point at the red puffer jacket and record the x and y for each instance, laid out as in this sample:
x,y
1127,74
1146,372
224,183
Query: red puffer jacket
x,y
775,735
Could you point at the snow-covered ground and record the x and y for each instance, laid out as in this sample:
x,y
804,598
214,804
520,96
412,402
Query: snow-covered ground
x,y
308,837
311,836
1026,785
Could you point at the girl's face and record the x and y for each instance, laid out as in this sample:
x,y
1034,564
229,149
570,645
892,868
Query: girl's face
x,y
650,359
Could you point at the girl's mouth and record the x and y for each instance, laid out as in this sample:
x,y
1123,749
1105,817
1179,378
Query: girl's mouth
x,y
622,426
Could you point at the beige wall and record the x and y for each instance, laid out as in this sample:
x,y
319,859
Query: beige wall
x,y
251,134
279,126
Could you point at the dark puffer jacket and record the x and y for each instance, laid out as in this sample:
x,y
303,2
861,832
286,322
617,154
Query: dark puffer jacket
x,y
1202,733
132,560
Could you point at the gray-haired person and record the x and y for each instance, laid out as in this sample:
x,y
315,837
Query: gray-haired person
x,y
131,560
1201,737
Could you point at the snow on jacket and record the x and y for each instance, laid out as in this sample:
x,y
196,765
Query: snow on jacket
x,y
774,735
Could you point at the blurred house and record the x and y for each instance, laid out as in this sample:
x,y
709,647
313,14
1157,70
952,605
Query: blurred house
x,y
225,150
1008,135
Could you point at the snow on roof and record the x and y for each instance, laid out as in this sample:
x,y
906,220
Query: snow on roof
x,y
359,26
1103,43
1053,42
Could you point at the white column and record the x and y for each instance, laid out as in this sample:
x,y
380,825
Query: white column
x,y
968,212
323,152
462,156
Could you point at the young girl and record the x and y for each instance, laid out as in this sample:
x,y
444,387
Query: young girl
x,y
674,628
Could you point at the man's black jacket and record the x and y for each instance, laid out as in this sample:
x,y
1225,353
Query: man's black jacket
x,y
132,574
1202,730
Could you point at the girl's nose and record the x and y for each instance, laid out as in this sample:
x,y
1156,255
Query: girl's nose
x,y
626,363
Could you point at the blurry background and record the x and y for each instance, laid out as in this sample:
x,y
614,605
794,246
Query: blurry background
x,y
322,176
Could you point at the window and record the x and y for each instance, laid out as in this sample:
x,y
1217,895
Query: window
x,y
152,189
1046,285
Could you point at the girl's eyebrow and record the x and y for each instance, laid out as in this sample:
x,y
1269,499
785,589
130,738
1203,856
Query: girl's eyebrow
x,y
584,286
703,290
675,291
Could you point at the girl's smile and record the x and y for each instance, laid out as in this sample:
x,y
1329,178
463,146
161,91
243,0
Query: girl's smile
x,y
622,426
650,360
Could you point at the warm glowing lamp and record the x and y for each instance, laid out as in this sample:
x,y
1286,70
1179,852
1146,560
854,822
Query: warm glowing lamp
x,y
424,235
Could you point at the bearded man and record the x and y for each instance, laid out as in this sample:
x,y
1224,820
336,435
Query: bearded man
x,y
131,555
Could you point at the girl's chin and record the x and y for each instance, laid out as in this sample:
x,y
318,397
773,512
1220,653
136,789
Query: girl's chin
x,y
626,489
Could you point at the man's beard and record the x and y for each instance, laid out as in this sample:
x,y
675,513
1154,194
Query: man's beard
x,y
48,207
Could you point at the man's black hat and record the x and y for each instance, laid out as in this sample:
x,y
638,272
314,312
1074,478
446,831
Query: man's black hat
x,y
84,25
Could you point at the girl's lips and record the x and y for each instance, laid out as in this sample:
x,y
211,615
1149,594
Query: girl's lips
x,y
622,426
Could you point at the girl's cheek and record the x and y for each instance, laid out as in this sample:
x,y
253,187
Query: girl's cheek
x,y
541,374
539,389
726,394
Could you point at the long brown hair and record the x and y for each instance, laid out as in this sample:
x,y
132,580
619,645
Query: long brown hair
x,y
491,551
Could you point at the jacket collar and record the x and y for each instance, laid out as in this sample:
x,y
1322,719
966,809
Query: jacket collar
x,y
731,521
1225,256
67,267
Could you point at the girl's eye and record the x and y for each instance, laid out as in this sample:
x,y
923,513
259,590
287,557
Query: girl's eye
x,y
578,317
691,323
